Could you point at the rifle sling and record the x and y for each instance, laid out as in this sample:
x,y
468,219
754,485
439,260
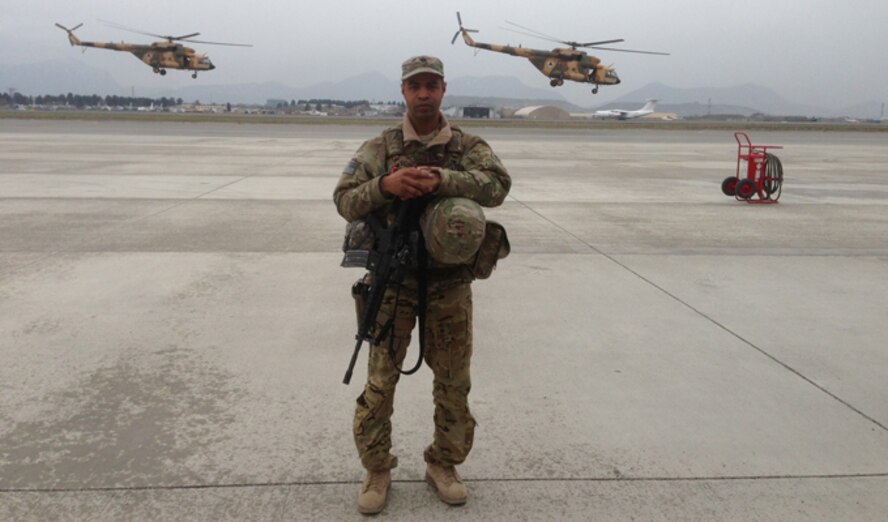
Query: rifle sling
x,y
422,283
422,291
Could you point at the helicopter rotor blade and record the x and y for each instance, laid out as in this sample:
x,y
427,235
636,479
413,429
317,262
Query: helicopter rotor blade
x,y
214,43
587,45
627,50
184,37
461,29
130,29
456,34
542,36
169,38
537,33
71,30
536,36
590,44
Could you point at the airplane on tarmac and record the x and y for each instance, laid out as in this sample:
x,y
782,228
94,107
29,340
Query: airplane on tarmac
x,y
621,114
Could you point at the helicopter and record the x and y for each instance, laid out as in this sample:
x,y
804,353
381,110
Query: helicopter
x,y
160,56
561,63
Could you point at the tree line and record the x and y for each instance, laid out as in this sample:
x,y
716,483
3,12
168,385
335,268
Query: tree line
x,y
92,100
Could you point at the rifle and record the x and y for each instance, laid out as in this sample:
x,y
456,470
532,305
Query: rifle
x,y
395,250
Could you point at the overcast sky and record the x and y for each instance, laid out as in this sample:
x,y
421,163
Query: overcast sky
x,y
824,52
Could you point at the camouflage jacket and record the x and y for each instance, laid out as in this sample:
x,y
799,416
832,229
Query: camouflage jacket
x,y
470,169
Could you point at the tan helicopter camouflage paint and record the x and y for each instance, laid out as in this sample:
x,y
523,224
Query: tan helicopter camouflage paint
x,y
158,55
559,64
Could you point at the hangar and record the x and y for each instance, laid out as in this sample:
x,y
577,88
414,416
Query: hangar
x,y
542,112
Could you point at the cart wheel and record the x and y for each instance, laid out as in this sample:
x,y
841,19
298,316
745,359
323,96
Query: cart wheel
x,y
745,189
729,186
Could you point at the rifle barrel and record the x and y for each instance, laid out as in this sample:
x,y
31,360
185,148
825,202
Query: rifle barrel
x,y
351,364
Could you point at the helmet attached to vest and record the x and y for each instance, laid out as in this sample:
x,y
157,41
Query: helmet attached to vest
x,y
453,229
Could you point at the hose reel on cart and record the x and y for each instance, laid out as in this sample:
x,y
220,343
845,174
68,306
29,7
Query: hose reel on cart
x,y
761,181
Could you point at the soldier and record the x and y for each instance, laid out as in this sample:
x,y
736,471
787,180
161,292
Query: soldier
x,y
428,160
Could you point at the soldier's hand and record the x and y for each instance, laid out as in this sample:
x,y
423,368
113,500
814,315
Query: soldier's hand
x,y
411,182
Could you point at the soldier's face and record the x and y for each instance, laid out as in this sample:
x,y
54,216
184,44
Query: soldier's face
x,y
423,94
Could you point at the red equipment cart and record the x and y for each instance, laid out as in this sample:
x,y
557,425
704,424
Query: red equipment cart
x,y
762,179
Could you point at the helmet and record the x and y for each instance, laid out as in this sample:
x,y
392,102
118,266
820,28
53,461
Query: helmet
x,y
453,229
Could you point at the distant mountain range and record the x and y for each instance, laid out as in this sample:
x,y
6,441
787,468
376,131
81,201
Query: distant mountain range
x,y
57,77
742,98
61,76
371,86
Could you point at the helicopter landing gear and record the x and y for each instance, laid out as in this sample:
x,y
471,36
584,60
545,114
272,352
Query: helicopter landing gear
x,y
595,90
194,75
555,82
158,70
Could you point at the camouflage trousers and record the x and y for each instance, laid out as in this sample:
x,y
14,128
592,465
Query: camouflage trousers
x,y
448,351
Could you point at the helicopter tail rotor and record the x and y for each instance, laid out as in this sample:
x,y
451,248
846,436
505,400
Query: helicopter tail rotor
x,y
461,30
71,38
62,27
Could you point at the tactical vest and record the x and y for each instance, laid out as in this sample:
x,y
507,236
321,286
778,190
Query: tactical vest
x,y
400,155
358,239
496,244
397,155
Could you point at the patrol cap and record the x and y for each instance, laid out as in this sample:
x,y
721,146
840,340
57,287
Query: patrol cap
x,y
453,229
421,64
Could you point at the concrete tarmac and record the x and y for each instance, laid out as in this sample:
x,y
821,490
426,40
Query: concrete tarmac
x,y
174,328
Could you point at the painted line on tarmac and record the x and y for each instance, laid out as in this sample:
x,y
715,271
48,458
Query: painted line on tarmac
x,y
742,339
244,485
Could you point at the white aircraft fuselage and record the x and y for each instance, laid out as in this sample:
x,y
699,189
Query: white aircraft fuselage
x,y
621,114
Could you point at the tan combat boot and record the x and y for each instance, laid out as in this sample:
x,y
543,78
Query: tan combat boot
x,y
447,483
374,491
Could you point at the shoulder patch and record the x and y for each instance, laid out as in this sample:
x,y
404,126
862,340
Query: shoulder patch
x,y
350,169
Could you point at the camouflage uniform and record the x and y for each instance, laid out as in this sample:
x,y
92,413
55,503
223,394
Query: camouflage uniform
x,y
470,169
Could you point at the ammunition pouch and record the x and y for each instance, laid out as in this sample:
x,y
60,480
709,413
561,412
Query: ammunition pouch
x,y
494,246
358,244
